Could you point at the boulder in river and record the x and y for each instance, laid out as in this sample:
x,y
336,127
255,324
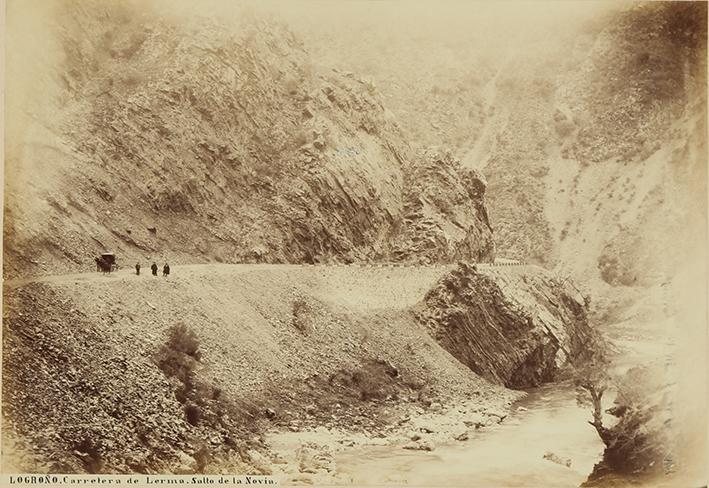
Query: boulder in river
x,y
420,445
550,456
462,436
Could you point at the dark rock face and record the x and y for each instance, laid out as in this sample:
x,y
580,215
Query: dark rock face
x,y
517,328
444,213
640,447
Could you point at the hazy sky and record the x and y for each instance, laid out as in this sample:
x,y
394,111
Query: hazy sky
x,y
446,16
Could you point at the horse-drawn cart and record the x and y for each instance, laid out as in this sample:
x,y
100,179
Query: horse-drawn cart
x,y
106,262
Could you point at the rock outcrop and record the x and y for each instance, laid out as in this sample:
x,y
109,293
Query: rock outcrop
x,y
517,328
444,213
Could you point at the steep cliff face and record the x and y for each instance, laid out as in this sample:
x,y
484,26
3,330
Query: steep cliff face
x,y
516,327
193,141
444,211
589,123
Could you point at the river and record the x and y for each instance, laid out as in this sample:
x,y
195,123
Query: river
x,y
506,455
511,454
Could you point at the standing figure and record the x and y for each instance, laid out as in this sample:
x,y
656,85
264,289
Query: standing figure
x,y
166,269
137,269
154,269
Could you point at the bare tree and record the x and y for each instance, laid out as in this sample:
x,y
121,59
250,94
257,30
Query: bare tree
x,y
592,380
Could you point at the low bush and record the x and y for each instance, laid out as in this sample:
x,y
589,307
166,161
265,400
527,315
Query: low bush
x,y
300,310
184,340
204,406
374,380
193,414
178,356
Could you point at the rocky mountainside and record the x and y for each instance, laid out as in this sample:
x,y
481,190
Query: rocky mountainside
x,y
193,141
438,100
605,153
441,195
637,146
590,130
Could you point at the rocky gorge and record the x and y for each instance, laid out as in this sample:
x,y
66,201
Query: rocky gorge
x,y
399,239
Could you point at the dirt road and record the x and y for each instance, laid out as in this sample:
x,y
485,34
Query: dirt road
x,y
241,268
354,286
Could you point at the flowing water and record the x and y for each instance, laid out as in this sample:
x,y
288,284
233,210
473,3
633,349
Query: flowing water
x,y
506,455
546,442
511,454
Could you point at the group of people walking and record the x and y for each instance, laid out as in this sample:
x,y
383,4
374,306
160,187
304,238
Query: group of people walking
x,y
154,269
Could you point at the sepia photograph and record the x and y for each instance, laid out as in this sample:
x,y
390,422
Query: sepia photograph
x,y
419,243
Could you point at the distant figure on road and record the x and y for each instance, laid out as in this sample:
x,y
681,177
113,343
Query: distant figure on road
x,y
166,269
137,269
154,268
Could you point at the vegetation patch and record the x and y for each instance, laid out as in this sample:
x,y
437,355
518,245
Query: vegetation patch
x,y
205,407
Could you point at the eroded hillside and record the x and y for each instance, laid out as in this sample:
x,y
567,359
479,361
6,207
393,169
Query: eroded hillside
x,y
589,130
102,374
193,141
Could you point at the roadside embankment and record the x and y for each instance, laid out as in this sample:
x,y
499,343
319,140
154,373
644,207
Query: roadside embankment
x,y
128,373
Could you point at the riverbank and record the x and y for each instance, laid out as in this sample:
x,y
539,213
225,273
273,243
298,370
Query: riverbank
x,y
544,434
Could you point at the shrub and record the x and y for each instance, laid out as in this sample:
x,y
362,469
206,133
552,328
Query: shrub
x,y
203,404
300,309
177,359
193,414
374,380
365,384
184,340
176,364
